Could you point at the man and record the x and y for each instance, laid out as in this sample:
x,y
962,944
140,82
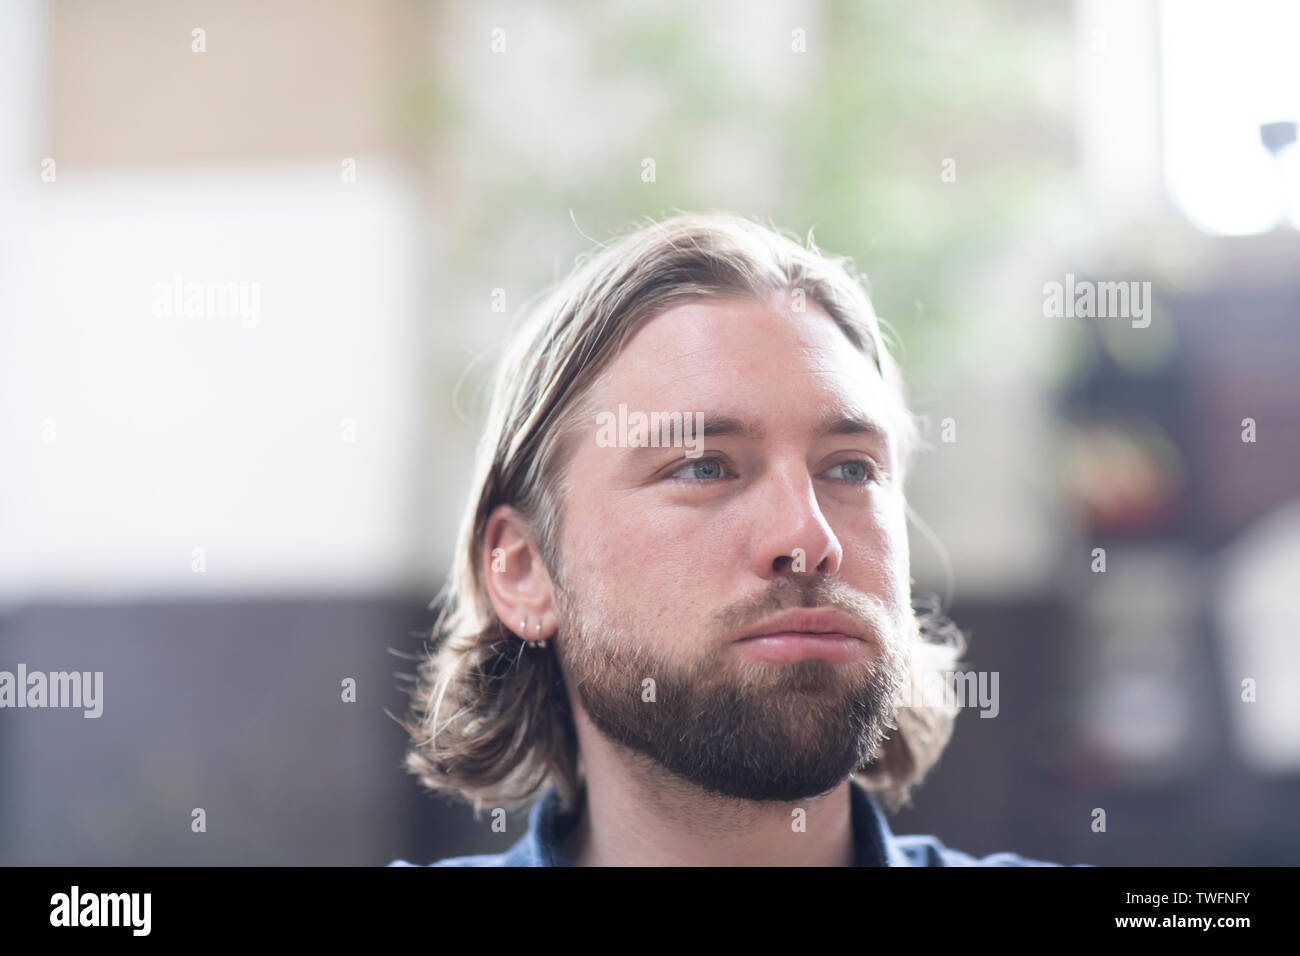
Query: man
x,y
680,608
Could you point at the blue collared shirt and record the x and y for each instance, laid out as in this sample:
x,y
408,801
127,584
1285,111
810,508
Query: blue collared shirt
x,y
873,844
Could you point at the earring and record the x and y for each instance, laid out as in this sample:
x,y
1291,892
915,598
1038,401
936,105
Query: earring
x,y
537,632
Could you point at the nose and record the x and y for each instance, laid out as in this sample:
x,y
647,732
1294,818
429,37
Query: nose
x,y
793,536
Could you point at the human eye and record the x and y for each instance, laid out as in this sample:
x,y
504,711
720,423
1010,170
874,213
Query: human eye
x,y
700,470
856,471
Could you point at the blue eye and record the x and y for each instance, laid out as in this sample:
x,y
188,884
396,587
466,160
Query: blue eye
x,y
860,471
702,469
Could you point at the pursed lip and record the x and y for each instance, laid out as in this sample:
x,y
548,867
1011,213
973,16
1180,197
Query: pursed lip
x,y
822,620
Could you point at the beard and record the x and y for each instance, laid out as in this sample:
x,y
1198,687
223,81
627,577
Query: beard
x,y
734,726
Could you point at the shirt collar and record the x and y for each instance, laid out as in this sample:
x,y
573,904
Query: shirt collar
x,y
873,842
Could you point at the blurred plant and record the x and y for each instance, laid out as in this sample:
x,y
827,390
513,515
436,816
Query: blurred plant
x,y
848,138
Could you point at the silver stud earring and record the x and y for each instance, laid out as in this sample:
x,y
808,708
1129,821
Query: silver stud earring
x,y
540,642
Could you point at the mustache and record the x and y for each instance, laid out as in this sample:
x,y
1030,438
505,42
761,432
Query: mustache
x,y
787,594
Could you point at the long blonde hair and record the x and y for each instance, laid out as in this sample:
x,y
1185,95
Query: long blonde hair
x,y
491,724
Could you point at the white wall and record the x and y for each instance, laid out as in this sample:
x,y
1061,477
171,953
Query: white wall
x,y
132,438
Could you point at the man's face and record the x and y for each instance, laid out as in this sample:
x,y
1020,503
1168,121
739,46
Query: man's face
x,y
669,555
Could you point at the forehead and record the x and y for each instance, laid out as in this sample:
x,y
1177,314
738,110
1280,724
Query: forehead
x,y
747,357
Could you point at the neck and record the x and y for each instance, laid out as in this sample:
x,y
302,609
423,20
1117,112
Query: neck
x,y
635,814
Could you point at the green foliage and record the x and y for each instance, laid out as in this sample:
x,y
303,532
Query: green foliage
x,y
846,138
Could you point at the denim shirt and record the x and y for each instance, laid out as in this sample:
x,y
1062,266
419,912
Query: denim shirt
x,y
873,844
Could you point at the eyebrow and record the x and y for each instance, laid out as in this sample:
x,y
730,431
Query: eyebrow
x,y
839,423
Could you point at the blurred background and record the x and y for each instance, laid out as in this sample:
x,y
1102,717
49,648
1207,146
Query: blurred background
x,y
259,258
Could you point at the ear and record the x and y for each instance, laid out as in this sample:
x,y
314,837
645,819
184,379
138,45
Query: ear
x,y
518,584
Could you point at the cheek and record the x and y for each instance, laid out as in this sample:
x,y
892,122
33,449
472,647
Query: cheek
x,y
892,518
899,565
641,573
877,548
616,535
640,558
